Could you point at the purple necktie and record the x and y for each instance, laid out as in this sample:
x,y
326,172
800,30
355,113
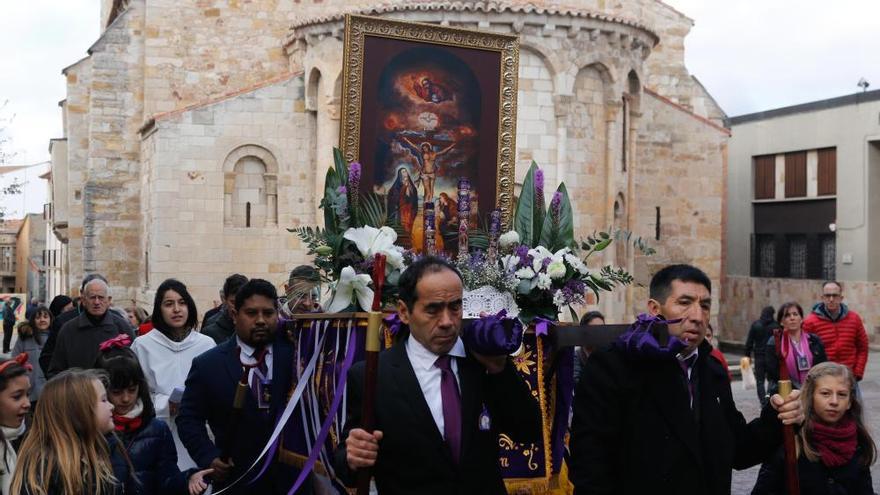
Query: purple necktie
x,y
256,384
451,406
687,365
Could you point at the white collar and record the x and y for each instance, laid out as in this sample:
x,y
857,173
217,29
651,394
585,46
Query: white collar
x,y
424,358
681,357
136,411
250,350
10,434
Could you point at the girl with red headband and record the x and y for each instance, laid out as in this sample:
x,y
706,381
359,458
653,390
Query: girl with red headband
x,y
146,438
14,406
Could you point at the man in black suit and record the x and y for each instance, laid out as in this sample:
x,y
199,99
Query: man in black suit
x,y
439,407
657,416
262,356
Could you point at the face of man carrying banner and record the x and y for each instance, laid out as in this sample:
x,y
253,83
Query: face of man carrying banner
x,y
442,390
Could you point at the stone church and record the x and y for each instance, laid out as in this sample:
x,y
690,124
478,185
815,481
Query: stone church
x,y
197,132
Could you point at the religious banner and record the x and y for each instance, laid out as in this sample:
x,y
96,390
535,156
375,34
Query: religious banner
x,y
424,107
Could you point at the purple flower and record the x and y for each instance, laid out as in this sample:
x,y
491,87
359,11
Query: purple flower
x,y
354,183
342,190
523,252
539,190
556,207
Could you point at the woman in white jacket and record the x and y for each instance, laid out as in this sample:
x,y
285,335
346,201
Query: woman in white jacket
x,y
167,352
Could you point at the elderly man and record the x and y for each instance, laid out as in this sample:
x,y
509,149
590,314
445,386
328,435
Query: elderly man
x,y
78,340
439,406
655,414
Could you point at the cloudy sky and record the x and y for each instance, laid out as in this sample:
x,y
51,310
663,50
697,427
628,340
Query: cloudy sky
x,y
751,55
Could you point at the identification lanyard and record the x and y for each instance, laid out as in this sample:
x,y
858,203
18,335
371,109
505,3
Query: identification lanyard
x,y
803,364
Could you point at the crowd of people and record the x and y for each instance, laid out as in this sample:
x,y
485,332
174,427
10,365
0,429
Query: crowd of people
x,y
100,400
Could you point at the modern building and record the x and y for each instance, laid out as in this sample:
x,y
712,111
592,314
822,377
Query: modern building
x,y
804,206
183,113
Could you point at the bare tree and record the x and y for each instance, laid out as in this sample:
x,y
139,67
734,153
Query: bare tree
x,y
5,157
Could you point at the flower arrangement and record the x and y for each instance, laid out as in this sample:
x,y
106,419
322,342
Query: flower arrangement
x,y
356,228
549,266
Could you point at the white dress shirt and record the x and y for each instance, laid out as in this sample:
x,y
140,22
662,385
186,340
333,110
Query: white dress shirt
x,y
429,376
248,357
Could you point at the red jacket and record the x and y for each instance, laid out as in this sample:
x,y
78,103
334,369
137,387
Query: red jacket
x,y
845,339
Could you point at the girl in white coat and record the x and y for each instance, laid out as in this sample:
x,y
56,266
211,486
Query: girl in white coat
x,y
166,354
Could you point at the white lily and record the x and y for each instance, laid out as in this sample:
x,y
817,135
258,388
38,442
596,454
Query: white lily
x,y
371,241
351,286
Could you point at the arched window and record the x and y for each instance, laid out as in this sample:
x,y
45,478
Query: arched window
x,y
250,192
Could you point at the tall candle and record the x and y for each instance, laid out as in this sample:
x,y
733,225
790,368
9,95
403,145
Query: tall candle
x,y
464,212
429,242
494,231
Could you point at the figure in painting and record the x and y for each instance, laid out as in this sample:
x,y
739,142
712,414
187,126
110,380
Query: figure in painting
x,y
431,91
428,166
403,199
448,209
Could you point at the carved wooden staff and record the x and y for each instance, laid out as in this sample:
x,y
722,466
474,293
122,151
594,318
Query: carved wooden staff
x,y
371,364
792,483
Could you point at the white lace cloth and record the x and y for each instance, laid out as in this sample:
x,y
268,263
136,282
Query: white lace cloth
x,y
490,300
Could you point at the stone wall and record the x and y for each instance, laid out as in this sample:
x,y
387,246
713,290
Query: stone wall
x,y
199,50
681,170
111,192
746,296
76,110
189,162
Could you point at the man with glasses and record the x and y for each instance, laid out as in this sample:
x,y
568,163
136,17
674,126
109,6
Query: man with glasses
x,y
840,328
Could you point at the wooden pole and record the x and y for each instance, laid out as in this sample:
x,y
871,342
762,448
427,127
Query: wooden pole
x,y
792,482
371,365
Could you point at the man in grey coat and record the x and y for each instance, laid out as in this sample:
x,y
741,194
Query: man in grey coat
x,y
79,338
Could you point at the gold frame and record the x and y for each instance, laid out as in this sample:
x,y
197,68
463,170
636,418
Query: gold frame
x,y
358,26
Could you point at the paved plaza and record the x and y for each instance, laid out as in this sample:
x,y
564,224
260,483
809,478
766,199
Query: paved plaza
x,y
747,402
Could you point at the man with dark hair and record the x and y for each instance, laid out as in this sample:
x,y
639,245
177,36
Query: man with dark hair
x,y
303,290
77,307
221,327
756,344
655,414
439,406
260,356
840,328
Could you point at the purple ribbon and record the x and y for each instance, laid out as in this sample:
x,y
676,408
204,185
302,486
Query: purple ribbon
x,y
493,335
640,341
541,325
331,415
394,323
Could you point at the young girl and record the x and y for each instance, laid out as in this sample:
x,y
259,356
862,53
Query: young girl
x,y
31,337
145,438
835,450
14,406
66,451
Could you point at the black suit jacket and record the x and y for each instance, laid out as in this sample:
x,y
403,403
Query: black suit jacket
x,y
413,457
633,430
207,401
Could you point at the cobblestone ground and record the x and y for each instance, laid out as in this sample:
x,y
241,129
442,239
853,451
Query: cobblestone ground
x,y
747,402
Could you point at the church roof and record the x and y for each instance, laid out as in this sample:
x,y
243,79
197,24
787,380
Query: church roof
x,y
488,6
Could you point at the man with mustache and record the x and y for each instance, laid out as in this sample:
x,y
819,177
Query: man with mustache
x,y
439,406
260,356
653,415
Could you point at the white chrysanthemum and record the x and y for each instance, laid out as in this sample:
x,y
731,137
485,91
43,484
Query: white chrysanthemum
x,y
577,264
508,239
543,281
559,298
538,255
525,273
556,269
510,262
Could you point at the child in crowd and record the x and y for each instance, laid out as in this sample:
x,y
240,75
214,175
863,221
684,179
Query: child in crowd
x,y
147,439
66,451
835,450
31,337
14,406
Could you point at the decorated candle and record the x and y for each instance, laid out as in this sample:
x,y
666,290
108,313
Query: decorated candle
x,y
464,212
354,183
428,213
494,230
